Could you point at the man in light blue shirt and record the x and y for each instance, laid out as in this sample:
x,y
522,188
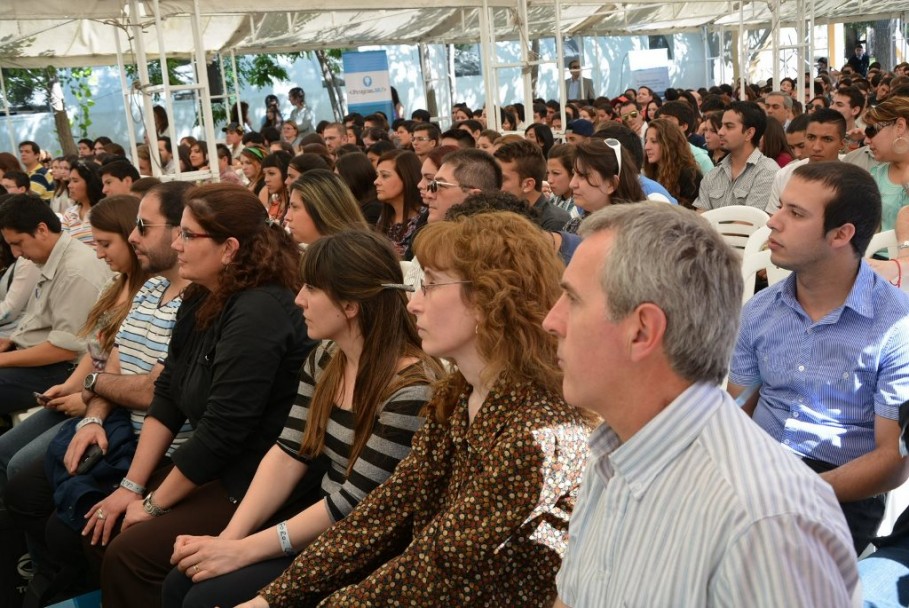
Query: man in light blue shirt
x,y
685,501
828,349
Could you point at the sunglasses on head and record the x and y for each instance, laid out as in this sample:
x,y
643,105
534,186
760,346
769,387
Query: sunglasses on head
x,y
872,130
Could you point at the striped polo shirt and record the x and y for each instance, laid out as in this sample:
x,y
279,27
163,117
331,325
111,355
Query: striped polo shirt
x,y
143,338
702,508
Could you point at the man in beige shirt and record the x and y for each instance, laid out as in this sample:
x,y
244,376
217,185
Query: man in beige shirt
x,y
41,351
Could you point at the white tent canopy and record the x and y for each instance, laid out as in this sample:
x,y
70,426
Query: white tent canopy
x,y
67,33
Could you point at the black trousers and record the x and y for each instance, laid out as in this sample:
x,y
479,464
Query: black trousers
x,y
863,516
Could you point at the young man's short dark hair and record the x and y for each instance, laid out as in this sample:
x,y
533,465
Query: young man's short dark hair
x,y
753,117
856,199
421,115
464,138
35,147
855,95
253,137
679,110
167,145
271,134
20,178
119,168
527,158
432,131
172,198
828,116
799,123
24,212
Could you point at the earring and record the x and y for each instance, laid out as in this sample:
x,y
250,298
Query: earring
x,y
900,146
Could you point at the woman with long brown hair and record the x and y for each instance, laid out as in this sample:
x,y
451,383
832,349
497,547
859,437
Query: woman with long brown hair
x,y
668,160
360,401
397,187
477,513
231,372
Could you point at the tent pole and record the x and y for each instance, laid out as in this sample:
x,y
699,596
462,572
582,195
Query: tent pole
x,y
488,65
233,65
9,119
560,63
165,84
148,116
525,59
801,50
775,6
743,52
130,131
204,94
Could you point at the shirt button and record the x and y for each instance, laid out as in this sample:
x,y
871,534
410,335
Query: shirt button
x,y
786,442
801,368
845,375
795,415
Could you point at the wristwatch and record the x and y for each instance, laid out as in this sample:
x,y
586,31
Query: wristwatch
x,y
90,380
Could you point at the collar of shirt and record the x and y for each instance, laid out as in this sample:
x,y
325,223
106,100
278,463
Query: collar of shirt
x,y
481,434
49,269
641,459
752,159
860,298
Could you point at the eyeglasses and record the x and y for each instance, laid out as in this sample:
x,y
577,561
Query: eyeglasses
x,y
188,235
426,287
872,130
142,227
617,149
630,115
434,185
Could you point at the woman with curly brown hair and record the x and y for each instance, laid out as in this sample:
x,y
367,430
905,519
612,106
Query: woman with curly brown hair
x,y
231,371
477,513
668,160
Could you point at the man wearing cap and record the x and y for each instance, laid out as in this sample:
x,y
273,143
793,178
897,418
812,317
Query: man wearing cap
x,y
578,130
234,139
577,87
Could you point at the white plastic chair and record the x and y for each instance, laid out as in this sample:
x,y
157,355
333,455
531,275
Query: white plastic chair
x,y
883,240
736,223
760,261
756,241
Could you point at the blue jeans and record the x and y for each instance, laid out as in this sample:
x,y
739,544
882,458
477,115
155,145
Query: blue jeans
x,y
27,441
18,383
885,576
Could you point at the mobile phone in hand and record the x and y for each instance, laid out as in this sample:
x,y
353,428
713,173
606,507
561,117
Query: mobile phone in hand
x,y
89,459
41,398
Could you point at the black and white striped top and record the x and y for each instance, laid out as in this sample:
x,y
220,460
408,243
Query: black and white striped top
x,y
397,420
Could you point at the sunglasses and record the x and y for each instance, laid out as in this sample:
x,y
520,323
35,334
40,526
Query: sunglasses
x,y
617,149
142,227
872,130
630,115
434,185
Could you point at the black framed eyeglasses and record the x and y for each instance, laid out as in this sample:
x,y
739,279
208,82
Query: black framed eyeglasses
x,y
872,130
143,227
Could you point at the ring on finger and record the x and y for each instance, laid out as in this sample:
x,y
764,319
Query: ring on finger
x,y
100,514
196,569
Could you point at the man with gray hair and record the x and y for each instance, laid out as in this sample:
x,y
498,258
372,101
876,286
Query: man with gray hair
x,y
779,107
683,490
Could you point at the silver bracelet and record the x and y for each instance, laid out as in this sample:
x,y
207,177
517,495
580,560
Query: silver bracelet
x,y
284,539
89,420
132,486
151,508
903,245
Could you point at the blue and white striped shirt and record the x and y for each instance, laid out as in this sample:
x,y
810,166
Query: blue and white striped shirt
x,y
823,383
701,508
143,338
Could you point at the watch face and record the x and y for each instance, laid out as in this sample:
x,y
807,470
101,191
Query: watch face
x,y
89,381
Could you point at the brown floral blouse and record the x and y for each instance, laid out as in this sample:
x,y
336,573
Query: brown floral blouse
x,y
475,516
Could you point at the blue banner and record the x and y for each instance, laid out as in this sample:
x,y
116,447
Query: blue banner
x,y
367,83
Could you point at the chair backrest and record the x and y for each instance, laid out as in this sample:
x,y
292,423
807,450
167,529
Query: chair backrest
x,y
736,223
883,240
757,241
751,264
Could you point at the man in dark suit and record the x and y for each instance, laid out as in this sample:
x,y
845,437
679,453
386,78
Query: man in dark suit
x,y
859,61
577,87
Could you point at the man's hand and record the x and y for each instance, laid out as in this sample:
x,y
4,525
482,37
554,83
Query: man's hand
x,y
90,434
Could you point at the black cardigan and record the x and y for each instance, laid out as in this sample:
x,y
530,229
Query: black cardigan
x,y
234,381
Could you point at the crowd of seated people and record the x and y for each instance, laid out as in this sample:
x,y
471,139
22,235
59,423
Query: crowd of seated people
x,y
404,362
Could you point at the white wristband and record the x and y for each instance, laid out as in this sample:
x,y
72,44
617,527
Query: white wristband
x,y
284,539
132,486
